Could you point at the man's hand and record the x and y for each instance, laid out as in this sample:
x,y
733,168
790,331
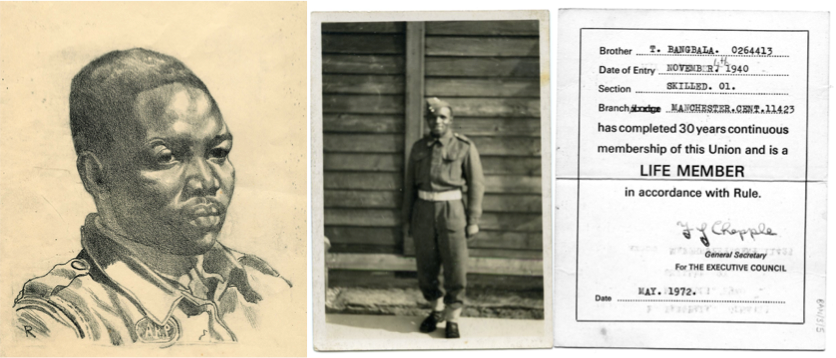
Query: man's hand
x,y
472,230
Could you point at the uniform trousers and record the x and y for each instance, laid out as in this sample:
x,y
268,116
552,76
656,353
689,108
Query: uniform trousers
x,y
438,229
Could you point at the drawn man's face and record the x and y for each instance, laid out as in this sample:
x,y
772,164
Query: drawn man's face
x,y
172,179
440,121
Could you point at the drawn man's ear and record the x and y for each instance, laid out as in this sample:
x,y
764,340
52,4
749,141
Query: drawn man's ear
x,y
91,171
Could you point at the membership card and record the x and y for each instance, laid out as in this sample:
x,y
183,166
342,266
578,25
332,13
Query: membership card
x,y
691,168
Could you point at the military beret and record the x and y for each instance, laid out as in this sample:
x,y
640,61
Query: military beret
x,y
434,105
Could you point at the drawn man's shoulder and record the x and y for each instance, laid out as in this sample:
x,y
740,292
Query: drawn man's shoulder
x,y
76,299
59,302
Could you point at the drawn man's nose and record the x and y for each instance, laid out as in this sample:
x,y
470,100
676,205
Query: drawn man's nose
x,y
201,179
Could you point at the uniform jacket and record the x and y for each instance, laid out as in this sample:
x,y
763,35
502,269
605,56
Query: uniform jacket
x,y
447,163
106,294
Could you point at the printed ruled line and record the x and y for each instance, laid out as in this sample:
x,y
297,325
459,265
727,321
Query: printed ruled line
x,y
724,74
696,112
704,55
705,301
726,93
801,181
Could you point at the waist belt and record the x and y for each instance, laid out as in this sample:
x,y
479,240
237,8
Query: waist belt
x,y
440,195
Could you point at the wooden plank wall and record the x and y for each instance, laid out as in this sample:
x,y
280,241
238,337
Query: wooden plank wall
x,y
363,139
489,71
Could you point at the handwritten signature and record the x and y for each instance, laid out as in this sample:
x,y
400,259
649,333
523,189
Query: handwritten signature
x,y
721,228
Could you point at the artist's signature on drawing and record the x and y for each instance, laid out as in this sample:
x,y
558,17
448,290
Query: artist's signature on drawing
x,y
722,228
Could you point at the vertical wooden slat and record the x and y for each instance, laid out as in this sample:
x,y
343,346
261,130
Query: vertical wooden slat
x,y
414,97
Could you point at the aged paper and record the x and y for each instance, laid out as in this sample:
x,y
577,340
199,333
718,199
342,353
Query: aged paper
x,y
382,83
157,65
691,172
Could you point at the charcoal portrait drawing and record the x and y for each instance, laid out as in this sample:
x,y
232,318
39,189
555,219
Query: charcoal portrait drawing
x,y
153,152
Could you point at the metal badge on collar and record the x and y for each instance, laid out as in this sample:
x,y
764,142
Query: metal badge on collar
x,y
149,332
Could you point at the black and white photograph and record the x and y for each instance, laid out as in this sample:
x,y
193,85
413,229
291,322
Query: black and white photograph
x,y
429,173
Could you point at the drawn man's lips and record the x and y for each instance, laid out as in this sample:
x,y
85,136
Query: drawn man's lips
x,y
205,210
206,222
204,215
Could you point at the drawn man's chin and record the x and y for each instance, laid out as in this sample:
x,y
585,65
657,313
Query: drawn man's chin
x,y
196,234
204,226
196,243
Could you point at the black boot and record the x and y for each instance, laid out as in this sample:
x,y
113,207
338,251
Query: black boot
x,y
452,330
432,321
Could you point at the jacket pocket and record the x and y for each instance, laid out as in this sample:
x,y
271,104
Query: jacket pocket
x,y
421,166
453,162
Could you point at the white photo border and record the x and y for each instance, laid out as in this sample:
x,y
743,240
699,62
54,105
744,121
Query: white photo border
x,y
320,340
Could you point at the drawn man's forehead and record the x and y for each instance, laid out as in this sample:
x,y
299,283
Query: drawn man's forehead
x,y
160,106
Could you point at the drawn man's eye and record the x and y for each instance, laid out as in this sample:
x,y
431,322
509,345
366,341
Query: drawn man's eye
x,y
165,156
219,154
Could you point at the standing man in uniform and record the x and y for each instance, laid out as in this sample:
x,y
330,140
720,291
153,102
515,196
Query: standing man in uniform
x,y
441,166
153,151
